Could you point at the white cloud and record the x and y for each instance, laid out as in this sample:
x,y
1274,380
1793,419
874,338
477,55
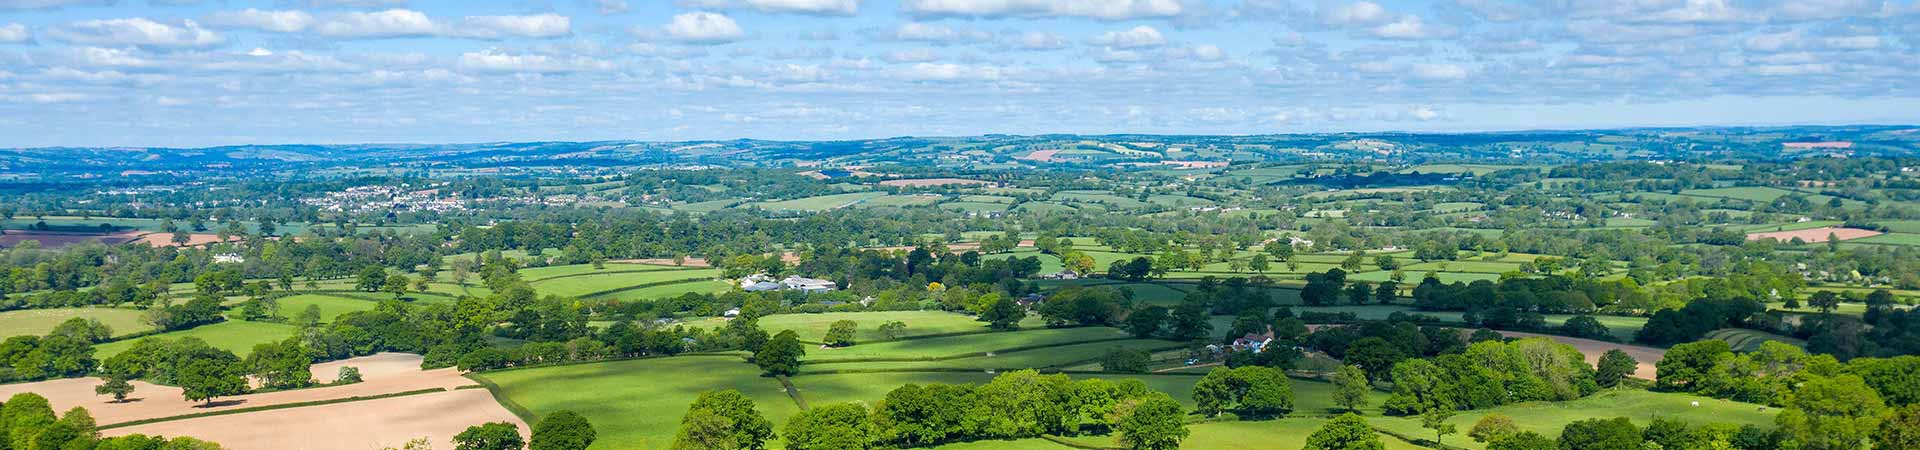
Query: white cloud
x,y
1408,27
951,72
931,32
137,32
497,60
1040,40
704,28
1137,37
1424,113
288,21
912,55
548,25
379,24
822,7
14,33
395,23
1357,13
1095,9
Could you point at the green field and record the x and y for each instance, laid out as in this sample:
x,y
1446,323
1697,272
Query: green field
x,y
1547,418
820,203
542,273
582,285
638,403
670,290
955,346
38,322
1744,340
237,336
330,306
812,327
1891,239
1748,193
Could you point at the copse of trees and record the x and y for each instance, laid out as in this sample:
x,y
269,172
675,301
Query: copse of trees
x,y
1024,404
1250,391
27,422
1491,373
58,354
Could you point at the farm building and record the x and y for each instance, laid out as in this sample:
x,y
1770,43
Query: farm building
x,y
762,282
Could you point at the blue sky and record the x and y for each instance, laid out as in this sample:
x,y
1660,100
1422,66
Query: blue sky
x,y
214,72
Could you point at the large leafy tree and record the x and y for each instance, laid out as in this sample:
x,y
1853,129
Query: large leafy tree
x,y
489,436
1347,432
1832,413
723,419
780,355
210,378
1615,366
1601,434
842,426
562,430
1153,423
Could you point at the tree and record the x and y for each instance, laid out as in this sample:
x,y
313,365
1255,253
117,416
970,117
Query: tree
x,y
489,436
281,365
1147,321
893,330
308,317
723,419
562,430
1386,293
1492,427
1601,434
840,334
1350,388
1825,301
1191,322
87,330
841,426
1901,429
371,278
1004,314
1436,420
1347,432
396,285
115,385
1359,293
780,355
1687,364
1154,423
207,379
1259,263
1525,440
1124,360
1832,413
1614,367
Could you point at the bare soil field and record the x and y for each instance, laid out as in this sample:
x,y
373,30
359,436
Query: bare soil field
x,y
925,182
384,373
197,239
363,425
1040,155
1647,356
1814,234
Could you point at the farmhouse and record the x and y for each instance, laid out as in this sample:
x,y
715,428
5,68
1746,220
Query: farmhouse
x,y
1254,342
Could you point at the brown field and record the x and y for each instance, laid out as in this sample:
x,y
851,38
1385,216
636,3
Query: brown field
x,y
361,425
1647,356
197,239
925,182
384,373
1040,155
57,239
1814,234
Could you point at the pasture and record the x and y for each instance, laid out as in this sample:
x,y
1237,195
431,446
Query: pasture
x,y
330,306
37,322
637,403
237,336
592,284
1547,418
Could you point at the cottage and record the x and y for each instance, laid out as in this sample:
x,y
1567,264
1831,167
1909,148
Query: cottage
x,y
1254,342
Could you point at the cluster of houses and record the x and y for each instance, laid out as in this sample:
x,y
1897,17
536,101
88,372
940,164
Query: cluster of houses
x,y
763,282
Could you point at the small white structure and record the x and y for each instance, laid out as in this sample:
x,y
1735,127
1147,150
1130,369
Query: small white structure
x,y
732,313
229,258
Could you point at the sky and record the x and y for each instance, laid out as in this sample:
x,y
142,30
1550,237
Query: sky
x,y
187,73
